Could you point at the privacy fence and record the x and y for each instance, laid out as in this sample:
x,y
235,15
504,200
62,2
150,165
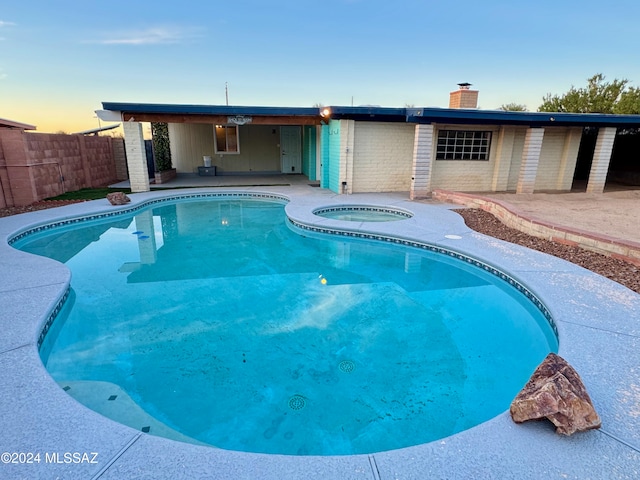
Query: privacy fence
x,y
34,166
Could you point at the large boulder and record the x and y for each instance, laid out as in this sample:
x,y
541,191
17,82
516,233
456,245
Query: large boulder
x,y
118,198
556,392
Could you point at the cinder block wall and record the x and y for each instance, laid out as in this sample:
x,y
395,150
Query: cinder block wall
x,y
5,190
119,158
55,163
40,165
100,156
383,157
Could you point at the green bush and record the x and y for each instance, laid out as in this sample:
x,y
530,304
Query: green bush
x,y
161,146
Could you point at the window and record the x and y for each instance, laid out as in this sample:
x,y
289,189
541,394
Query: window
x,y
463,145
226,137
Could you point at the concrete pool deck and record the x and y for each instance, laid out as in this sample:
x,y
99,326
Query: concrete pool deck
x,y
598,323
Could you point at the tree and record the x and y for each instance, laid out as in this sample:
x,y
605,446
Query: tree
x,y
598,97
513,107
629,102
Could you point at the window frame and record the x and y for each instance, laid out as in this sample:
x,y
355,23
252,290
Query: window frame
x,y
226,150
463,145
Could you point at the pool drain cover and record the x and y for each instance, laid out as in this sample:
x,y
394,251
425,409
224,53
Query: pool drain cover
x,y
347,366
297,402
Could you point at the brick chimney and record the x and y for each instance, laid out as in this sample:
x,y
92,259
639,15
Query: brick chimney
x,y
463,97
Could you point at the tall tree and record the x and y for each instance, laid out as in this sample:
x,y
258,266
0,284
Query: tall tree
x,y
629,102
598,96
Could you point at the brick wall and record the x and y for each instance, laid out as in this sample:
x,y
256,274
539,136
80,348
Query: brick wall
x,y
41,165
55,163
558,155
383,157
119,158
516,158
5,190
463,98
465,175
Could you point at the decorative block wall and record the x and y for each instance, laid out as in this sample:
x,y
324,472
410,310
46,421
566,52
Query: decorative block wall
x,y
35,166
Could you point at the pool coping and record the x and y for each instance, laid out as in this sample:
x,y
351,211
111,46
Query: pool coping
x,y
597,321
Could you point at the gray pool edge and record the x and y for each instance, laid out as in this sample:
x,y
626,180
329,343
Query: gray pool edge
x,y
597,322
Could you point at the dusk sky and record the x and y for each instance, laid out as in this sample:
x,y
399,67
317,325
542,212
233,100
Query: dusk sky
x,y
59,60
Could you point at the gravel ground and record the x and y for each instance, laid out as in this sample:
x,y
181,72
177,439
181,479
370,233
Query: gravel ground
x,y
617,270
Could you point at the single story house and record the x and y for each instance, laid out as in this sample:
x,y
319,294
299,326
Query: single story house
x,y
376,149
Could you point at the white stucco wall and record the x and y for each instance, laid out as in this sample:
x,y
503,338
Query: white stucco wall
x,y
382,157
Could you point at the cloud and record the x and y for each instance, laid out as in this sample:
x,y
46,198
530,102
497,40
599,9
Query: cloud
x,y
3,76
152,36
6,24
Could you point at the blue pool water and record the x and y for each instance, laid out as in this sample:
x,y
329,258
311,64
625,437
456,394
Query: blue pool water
x,y
221,322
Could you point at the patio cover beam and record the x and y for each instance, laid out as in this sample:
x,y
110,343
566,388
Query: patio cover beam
x,y
219,119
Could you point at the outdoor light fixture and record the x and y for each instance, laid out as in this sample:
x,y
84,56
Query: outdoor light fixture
x,y
325,112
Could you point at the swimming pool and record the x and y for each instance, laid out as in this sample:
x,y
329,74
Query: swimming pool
x,y
299,362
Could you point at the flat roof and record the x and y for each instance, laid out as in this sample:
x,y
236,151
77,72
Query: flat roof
x,y
208,109
420,115
534,119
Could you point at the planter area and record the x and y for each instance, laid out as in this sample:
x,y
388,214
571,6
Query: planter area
x,y
166,175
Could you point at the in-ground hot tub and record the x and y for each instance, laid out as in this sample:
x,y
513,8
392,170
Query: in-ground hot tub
x,y
363,213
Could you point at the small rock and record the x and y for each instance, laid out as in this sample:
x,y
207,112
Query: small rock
x,y
555,391
118,198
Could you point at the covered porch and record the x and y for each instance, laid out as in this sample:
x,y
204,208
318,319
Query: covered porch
x,y
207,144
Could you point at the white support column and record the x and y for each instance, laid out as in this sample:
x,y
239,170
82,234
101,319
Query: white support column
x,y
422,162
136,156
530,160
601,160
